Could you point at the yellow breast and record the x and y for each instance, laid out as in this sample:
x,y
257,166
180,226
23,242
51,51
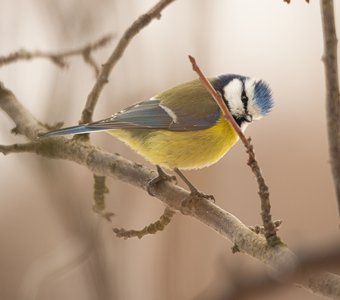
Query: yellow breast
x,y
181,149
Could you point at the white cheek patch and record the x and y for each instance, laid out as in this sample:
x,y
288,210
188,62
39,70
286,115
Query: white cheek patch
x,y
232,93
249,86
253,108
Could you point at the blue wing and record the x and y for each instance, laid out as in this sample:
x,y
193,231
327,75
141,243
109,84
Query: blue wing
x,y
150,114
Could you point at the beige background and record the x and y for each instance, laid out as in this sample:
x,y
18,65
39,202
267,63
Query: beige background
x,y
54,247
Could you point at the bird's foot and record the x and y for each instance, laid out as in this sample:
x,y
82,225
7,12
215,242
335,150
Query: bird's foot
x,y
194,192
194,196
162,176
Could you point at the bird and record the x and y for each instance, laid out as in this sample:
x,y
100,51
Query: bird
x,y
183,128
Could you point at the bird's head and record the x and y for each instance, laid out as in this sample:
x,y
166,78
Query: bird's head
x,y
248,99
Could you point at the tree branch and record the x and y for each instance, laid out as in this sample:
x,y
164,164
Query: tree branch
x,y
241,284
59,58
99,191
332,90
18,148
139,24
25,123
152,228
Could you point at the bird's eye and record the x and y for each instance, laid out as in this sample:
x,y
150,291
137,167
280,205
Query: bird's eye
x,y
244,97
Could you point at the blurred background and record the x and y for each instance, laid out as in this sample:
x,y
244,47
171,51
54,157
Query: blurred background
x,y
52,244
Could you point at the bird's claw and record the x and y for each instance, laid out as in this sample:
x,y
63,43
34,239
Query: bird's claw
x,y
162,176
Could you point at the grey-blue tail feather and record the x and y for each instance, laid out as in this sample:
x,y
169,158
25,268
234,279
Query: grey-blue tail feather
x,y
70,130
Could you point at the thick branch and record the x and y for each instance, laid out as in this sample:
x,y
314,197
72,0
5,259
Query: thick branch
x,y
140,23
332,90
233,284
107,164
326,284
18,148
25,123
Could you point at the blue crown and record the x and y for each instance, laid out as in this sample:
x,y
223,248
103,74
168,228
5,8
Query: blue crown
x,y
263,97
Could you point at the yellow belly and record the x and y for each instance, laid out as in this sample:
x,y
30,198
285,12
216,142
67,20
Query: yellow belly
x,y
183,150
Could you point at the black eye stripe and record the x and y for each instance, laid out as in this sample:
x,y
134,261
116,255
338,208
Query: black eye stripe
x,y
244,100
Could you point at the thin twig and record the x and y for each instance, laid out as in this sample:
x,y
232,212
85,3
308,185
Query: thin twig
x,y
140,23
218,99
153,228
59,58
269,227
88,58
260,229
99,191
332,90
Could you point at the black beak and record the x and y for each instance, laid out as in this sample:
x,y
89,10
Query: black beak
x,y
248,118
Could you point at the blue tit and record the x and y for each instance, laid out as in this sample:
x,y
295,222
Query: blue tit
x,y
183,127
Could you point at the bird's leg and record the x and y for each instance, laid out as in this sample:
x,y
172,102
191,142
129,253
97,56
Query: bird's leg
x,y
162,176
194,192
